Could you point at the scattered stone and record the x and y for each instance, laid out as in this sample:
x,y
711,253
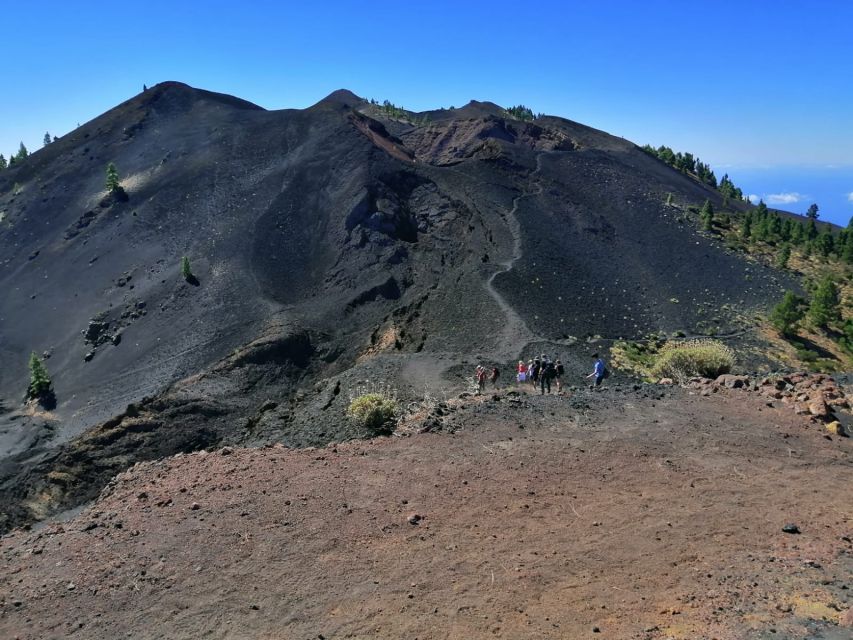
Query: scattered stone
x,y
819,409
664,381
731,381
226,451
791,528
414,518
195,506
88,357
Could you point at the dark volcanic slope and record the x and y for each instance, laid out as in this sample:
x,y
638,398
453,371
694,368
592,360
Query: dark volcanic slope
x,y
327,243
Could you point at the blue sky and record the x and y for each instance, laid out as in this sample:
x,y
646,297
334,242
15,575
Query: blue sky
x,y
751,86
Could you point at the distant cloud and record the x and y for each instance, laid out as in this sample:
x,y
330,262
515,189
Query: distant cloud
x,y
753,198
784,198
850,197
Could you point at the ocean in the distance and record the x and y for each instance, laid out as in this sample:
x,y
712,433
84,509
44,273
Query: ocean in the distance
x,y
793,188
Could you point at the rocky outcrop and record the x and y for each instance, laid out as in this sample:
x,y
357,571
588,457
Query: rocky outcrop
x,y
809,394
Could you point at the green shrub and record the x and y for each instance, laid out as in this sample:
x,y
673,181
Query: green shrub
x,y
374,411
707,358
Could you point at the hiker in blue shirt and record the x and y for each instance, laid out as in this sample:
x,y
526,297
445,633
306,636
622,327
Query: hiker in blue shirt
x,y
599,370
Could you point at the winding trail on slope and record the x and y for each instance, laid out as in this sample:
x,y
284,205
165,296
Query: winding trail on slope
x,y
515,333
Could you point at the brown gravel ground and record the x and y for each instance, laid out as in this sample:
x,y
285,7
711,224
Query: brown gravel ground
x,y
607,516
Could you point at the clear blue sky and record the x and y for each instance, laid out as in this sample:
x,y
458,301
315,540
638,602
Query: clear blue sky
x,y
746,84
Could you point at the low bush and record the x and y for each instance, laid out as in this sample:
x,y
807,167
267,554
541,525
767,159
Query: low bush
x,y
707,358
377,412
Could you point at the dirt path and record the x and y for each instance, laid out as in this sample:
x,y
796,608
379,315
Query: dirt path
x,y
642,517
515,333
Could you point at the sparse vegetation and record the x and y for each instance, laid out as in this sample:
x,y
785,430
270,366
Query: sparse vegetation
x,y
376,409
47,139
680,361
684,162
520,112
40,383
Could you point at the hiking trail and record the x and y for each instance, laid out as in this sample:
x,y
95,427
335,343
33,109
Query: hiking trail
x,y
515,333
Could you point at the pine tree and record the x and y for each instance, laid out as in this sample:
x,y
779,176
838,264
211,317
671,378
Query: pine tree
x,y
812,212
22,153
847,249
811,229
3,163
825,243
783,256
707,216
46,139
39,388
825,305
798,233
746,229
761,232
786,315
775,227
113,183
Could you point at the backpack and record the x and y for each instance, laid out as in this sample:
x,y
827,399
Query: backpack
x,y
549,370
606,373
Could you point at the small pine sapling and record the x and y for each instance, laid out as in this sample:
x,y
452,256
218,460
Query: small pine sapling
x,y
186,271
707,216
40,383
113,182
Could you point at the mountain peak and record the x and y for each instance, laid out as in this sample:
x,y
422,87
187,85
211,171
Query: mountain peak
x,y
342,98
176,92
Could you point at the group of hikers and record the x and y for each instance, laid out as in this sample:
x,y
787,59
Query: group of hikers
x,y
540,372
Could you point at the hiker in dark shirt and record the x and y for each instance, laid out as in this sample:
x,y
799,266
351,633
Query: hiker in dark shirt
x,y
537,369
495,375
559,370
546,374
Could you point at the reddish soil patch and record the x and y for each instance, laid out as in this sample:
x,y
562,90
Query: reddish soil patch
x,y
607,515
